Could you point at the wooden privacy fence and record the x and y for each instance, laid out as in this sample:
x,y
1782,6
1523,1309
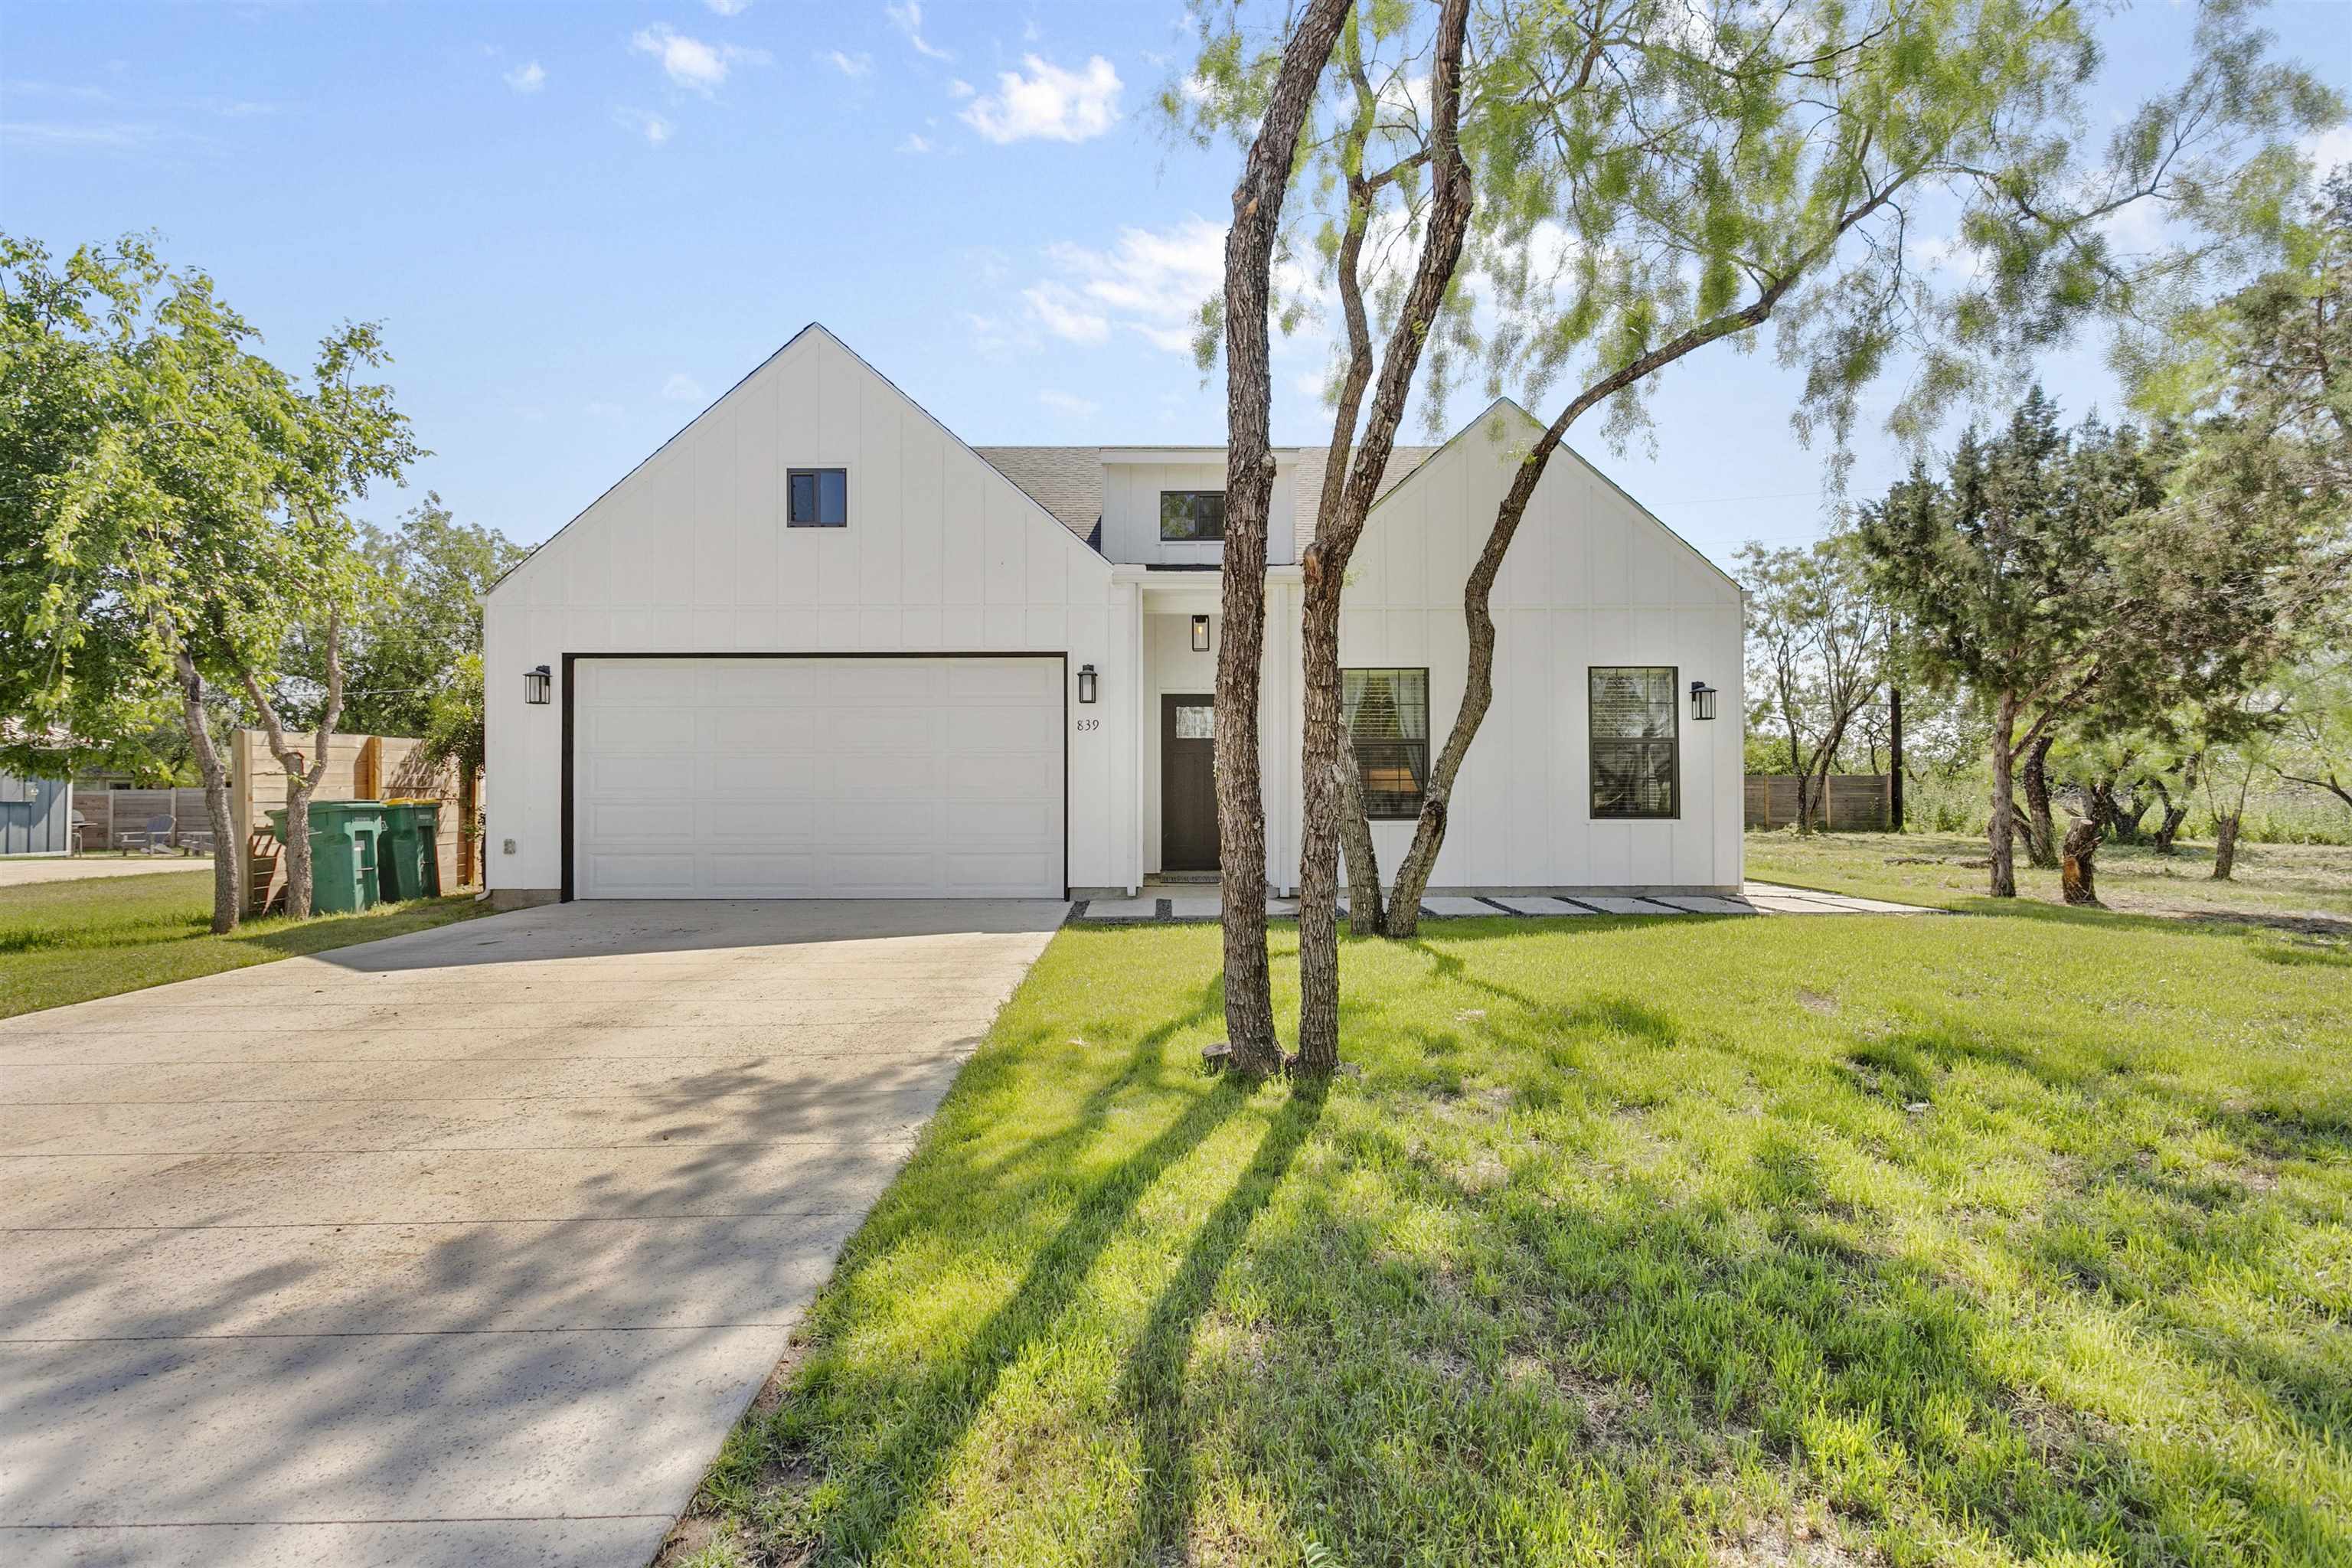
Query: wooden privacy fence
x,y
1853,802
359,767
108,814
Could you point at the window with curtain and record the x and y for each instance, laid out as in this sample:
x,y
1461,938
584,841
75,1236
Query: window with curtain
x,y
1386,712
1636,764
1193,517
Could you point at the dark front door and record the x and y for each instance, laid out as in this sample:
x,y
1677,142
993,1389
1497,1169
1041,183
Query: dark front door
x,y
1188,783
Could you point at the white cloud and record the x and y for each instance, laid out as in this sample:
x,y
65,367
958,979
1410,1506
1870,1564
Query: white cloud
x,y
1153,280
1050,102
1062,403
1060,310
646,123
691,63
527,77
2329,148
729,7
914,143
959,87
682,388
855,65
908,19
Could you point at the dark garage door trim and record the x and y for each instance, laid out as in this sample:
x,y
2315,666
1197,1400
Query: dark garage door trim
x,y
571,751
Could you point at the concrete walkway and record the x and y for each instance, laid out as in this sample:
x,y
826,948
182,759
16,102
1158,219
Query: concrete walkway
x,y
466,1247
1187,901
24,871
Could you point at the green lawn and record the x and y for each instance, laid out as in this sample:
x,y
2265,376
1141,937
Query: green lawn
x,y
2306,882
2004,1238
68,942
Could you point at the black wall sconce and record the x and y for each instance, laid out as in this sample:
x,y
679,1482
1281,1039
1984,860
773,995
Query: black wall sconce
x,y
1086,683
1702,700
537,684
1200,634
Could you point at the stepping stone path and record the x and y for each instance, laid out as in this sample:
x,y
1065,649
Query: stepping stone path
x,y
1755,898
1453,909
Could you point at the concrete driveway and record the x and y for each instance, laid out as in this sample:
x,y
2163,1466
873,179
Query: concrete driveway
x,y
466,1247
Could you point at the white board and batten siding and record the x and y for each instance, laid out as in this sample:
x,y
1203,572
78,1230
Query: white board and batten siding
x,y
1591,580
689,555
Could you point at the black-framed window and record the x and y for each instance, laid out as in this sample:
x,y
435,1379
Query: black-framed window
x,y
816,498
1636,745
1388,721
1193,517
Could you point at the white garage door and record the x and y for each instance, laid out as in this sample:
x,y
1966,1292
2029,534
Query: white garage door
x,y
817,778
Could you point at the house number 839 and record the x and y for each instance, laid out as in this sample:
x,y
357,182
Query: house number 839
x,y
1085,724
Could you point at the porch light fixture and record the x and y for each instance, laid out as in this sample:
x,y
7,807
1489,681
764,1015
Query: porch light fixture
x,y
536,685
1200,634
1086,683
1702,700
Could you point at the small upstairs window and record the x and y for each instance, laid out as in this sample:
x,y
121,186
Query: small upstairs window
x,y
1193,517
816,498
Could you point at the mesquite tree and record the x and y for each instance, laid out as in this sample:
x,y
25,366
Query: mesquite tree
x,y
1690,172
1357,464
1249,489
1391,159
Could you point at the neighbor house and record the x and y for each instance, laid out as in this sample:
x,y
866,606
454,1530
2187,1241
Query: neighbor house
x,y
817,646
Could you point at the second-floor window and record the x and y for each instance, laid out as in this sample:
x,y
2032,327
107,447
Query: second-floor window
x,y
818,498
1193,517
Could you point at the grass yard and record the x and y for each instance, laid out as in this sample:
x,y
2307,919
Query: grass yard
x,y
2306,883
2021,1237
68,942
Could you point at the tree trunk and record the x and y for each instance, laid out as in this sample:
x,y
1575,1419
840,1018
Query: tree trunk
x,y
2042,833
227,849
1999,830
1895,757
1249,488
2075,871
1356,840
1323,571
302,783
2175,812
2225,846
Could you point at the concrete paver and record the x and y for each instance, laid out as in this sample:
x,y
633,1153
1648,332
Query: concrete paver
x,y
1458,908
1542,906
465,1247
1609,905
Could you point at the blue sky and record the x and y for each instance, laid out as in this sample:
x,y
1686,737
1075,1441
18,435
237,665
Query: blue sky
x,y
579,223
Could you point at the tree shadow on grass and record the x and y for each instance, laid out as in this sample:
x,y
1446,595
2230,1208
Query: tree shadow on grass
x,y
1151,1387
882,1491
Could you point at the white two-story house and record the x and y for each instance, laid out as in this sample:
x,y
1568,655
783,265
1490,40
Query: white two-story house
x,y
817,646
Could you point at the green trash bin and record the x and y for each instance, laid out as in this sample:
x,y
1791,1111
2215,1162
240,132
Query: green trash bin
x,y
410,864
343,835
